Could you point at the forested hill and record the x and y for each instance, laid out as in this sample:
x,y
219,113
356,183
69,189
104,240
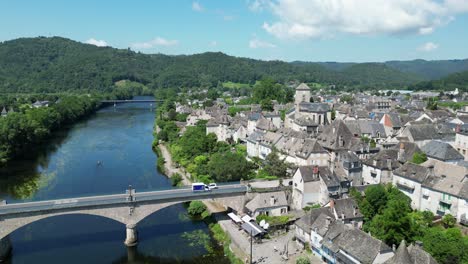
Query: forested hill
x,y
457,80
427,70
58,64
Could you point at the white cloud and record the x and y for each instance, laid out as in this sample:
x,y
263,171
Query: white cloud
x,y
158,41
197,7
95,42
428,46
296,19
256,43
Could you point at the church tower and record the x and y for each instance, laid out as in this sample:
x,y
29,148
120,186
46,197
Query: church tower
x,y
302,95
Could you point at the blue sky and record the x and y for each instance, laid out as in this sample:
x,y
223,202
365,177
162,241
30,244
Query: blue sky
x,y
307,30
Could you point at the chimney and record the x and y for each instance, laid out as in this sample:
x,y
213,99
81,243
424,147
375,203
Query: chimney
x,y
315,171
401,152
272,200
431,170
328,222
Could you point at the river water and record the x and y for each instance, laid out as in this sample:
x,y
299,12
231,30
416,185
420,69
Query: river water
x,y
120,138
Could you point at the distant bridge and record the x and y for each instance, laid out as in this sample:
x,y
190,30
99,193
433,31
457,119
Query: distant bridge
x,y
131,101
128,208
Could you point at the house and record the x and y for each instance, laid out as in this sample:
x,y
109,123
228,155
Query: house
x,y
307,116
337,137
409,179
343,244
413,254
442,151
420,134
306,190
346,210
351,166
312,227
392,123
219,127
270,203
39,104
379,167
461,142
445,191
315,185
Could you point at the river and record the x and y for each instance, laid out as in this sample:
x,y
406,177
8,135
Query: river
x,y
120,138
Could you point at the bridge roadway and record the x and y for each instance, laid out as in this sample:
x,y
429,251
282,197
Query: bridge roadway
x,y
125,208
131,101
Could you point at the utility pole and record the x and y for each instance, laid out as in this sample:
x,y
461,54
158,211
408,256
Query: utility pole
x,y
251,246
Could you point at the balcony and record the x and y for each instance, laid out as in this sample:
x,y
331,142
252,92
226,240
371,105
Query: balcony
x,y
445,201
405,185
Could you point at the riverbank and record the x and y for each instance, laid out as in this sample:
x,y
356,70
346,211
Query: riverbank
x,y
220,232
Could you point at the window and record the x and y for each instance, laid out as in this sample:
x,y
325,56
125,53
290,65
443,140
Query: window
x,y
283,210
373,174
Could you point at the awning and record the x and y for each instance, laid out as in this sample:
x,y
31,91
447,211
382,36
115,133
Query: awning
x,y
246,218
253,228
235,218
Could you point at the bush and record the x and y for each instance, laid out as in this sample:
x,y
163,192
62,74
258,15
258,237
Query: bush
x,y
303,260
449,221
176,179
196,208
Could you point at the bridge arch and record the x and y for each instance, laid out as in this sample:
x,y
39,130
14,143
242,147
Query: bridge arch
x,y
9,225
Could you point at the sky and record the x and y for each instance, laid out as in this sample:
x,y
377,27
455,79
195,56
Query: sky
x,y
289,30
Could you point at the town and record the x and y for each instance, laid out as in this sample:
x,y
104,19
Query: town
x,y
344,176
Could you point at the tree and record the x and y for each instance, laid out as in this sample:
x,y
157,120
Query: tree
x,y
446,246
275,166
229,166
375,201
196,208
419,157
449,221
394,224
266,105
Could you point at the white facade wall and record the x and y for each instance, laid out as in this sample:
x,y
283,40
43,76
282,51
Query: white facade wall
x,y
371,175
462,208
304,192
431,201
461,144
414,192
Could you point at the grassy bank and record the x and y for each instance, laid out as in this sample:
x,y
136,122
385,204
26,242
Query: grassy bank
x,y
161,161
220,236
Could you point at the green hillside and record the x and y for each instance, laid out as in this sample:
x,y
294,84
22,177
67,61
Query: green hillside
x,y
58,64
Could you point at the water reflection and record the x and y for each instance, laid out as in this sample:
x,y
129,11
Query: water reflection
x,y
121,138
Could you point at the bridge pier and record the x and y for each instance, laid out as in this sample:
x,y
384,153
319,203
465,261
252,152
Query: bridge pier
x,y
132,236
5,248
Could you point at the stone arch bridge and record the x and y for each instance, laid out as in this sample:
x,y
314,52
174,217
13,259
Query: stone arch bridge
x,y
129,208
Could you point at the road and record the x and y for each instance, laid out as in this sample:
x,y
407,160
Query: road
x,y
116,199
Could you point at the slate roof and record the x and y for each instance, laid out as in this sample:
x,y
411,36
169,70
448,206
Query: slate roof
x,y
412,172
307,221
410,255
330,178
447,178
262,200
383,159
314,107
331,135
356,243
303,87
305,121
265,124
371,127
408,150
422,132
348,207
441,151
307,173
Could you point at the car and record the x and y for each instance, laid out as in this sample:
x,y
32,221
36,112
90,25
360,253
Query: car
x,y
212,186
